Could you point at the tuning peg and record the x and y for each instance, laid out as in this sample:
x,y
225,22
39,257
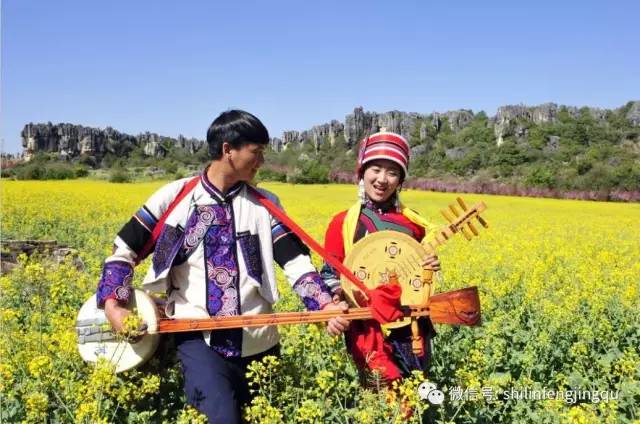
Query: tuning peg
x,y
447,216
465,233
454,210
461,203
482,221
472,228
440,239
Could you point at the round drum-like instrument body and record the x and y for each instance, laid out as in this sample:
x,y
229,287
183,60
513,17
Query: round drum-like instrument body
x,y
96,340
380,255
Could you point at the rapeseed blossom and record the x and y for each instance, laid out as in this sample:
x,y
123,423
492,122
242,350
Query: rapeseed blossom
x,y
559,284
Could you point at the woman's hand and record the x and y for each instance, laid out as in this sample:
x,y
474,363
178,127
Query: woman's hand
x,y
337,325
431,262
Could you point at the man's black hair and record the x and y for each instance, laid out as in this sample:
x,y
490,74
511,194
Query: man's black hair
x,y
237,128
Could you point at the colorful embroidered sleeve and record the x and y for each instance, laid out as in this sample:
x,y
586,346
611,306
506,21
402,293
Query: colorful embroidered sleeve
x,y
313,291
115,283
286,244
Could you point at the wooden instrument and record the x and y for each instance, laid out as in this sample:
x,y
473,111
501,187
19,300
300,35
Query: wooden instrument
x,y
96,340
381,254
380,257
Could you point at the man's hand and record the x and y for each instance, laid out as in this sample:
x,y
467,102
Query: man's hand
x,y
122,322
431,262
337,325
116,314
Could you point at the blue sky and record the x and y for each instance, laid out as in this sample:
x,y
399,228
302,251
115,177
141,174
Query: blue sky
x,y
171,67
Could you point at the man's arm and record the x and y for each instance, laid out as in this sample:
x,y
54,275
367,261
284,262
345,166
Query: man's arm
x,y
114,288
293,257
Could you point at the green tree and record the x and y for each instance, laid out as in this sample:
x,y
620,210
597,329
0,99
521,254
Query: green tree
x,y
540,176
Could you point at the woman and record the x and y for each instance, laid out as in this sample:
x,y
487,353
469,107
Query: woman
x,y
383,163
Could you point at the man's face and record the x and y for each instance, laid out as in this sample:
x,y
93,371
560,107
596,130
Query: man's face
x,y
246,160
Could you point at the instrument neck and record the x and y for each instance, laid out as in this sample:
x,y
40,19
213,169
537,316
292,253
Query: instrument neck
x,y
281,318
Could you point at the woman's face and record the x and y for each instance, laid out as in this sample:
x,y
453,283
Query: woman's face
x,y
381,178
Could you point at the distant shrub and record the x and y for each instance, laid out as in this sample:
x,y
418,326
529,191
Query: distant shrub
x,y
119,175
81,171
310,172
541,177
59,171
168,166
28,172
88,160
45,171
266,174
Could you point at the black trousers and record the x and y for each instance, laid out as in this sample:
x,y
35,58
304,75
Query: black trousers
x,y
216,386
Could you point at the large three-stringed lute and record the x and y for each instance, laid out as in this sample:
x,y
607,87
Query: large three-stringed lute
x,y
96,340
385,253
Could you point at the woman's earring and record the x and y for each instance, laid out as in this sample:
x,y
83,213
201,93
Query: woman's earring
x,y
398,190
361,193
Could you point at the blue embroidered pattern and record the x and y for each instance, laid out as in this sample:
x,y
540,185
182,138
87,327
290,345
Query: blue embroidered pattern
x,y
115,281
313,291
146,218
278,231
221,262
201,220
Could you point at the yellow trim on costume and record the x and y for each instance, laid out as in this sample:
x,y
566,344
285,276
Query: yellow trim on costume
x,y
349,227
413,216
351,221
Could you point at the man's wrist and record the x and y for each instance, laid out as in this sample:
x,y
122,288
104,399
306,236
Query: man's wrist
x,y
113,302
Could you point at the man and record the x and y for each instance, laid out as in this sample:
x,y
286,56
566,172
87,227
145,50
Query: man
x,y
215,257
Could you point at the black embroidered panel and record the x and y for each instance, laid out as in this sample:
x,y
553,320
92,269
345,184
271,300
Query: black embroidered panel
x,y
250,245
167,247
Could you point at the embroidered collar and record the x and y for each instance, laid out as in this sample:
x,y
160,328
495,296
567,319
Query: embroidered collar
x,y
216,194
383,207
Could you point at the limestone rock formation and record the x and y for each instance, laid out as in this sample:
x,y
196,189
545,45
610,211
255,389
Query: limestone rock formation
x,y
458,119
633,115
328,132
418,150
455,153
553,143
289,137
506,120
191,145
276,144
357,124
509,120
70,141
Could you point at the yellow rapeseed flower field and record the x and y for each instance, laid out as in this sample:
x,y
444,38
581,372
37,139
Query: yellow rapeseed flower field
x,y
560,292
